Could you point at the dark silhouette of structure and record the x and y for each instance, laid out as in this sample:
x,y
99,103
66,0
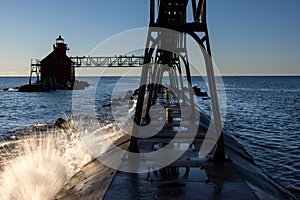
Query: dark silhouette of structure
x,y
170,49
56,69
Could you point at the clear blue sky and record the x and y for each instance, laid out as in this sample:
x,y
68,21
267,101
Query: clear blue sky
x,y
247,37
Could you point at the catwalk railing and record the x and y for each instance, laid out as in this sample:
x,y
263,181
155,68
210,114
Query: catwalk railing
x,y
110,61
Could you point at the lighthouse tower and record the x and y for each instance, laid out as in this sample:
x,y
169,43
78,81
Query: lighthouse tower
x,y
60,45
57,71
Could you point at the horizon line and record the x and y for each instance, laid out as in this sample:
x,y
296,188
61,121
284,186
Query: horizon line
x,y
225,75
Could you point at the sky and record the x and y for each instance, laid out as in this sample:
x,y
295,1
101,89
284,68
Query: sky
x,y
257,37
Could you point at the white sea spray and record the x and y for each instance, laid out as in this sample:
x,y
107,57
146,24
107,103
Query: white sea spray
x,y
37,166
41,165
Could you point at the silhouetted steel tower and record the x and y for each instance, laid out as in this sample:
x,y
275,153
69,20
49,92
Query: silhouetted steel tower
x,y
169,49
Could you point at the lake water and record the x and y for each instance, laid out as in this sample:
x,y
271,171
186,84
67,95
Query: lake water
x,y
263,114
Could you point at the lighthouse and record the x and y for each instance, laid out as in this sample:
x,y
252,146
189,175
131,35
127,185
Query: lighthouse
x,y
57,71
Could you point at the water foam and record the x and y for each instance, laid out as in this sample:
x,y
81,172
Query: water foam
x,y
42,164
38,166
38,174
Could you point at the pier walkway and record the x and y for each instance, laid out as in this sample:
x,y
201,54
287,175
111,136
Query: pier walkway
x,y
189,177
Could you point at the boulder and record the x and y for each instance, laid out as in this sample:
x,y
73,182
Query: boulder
x,y
61,123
